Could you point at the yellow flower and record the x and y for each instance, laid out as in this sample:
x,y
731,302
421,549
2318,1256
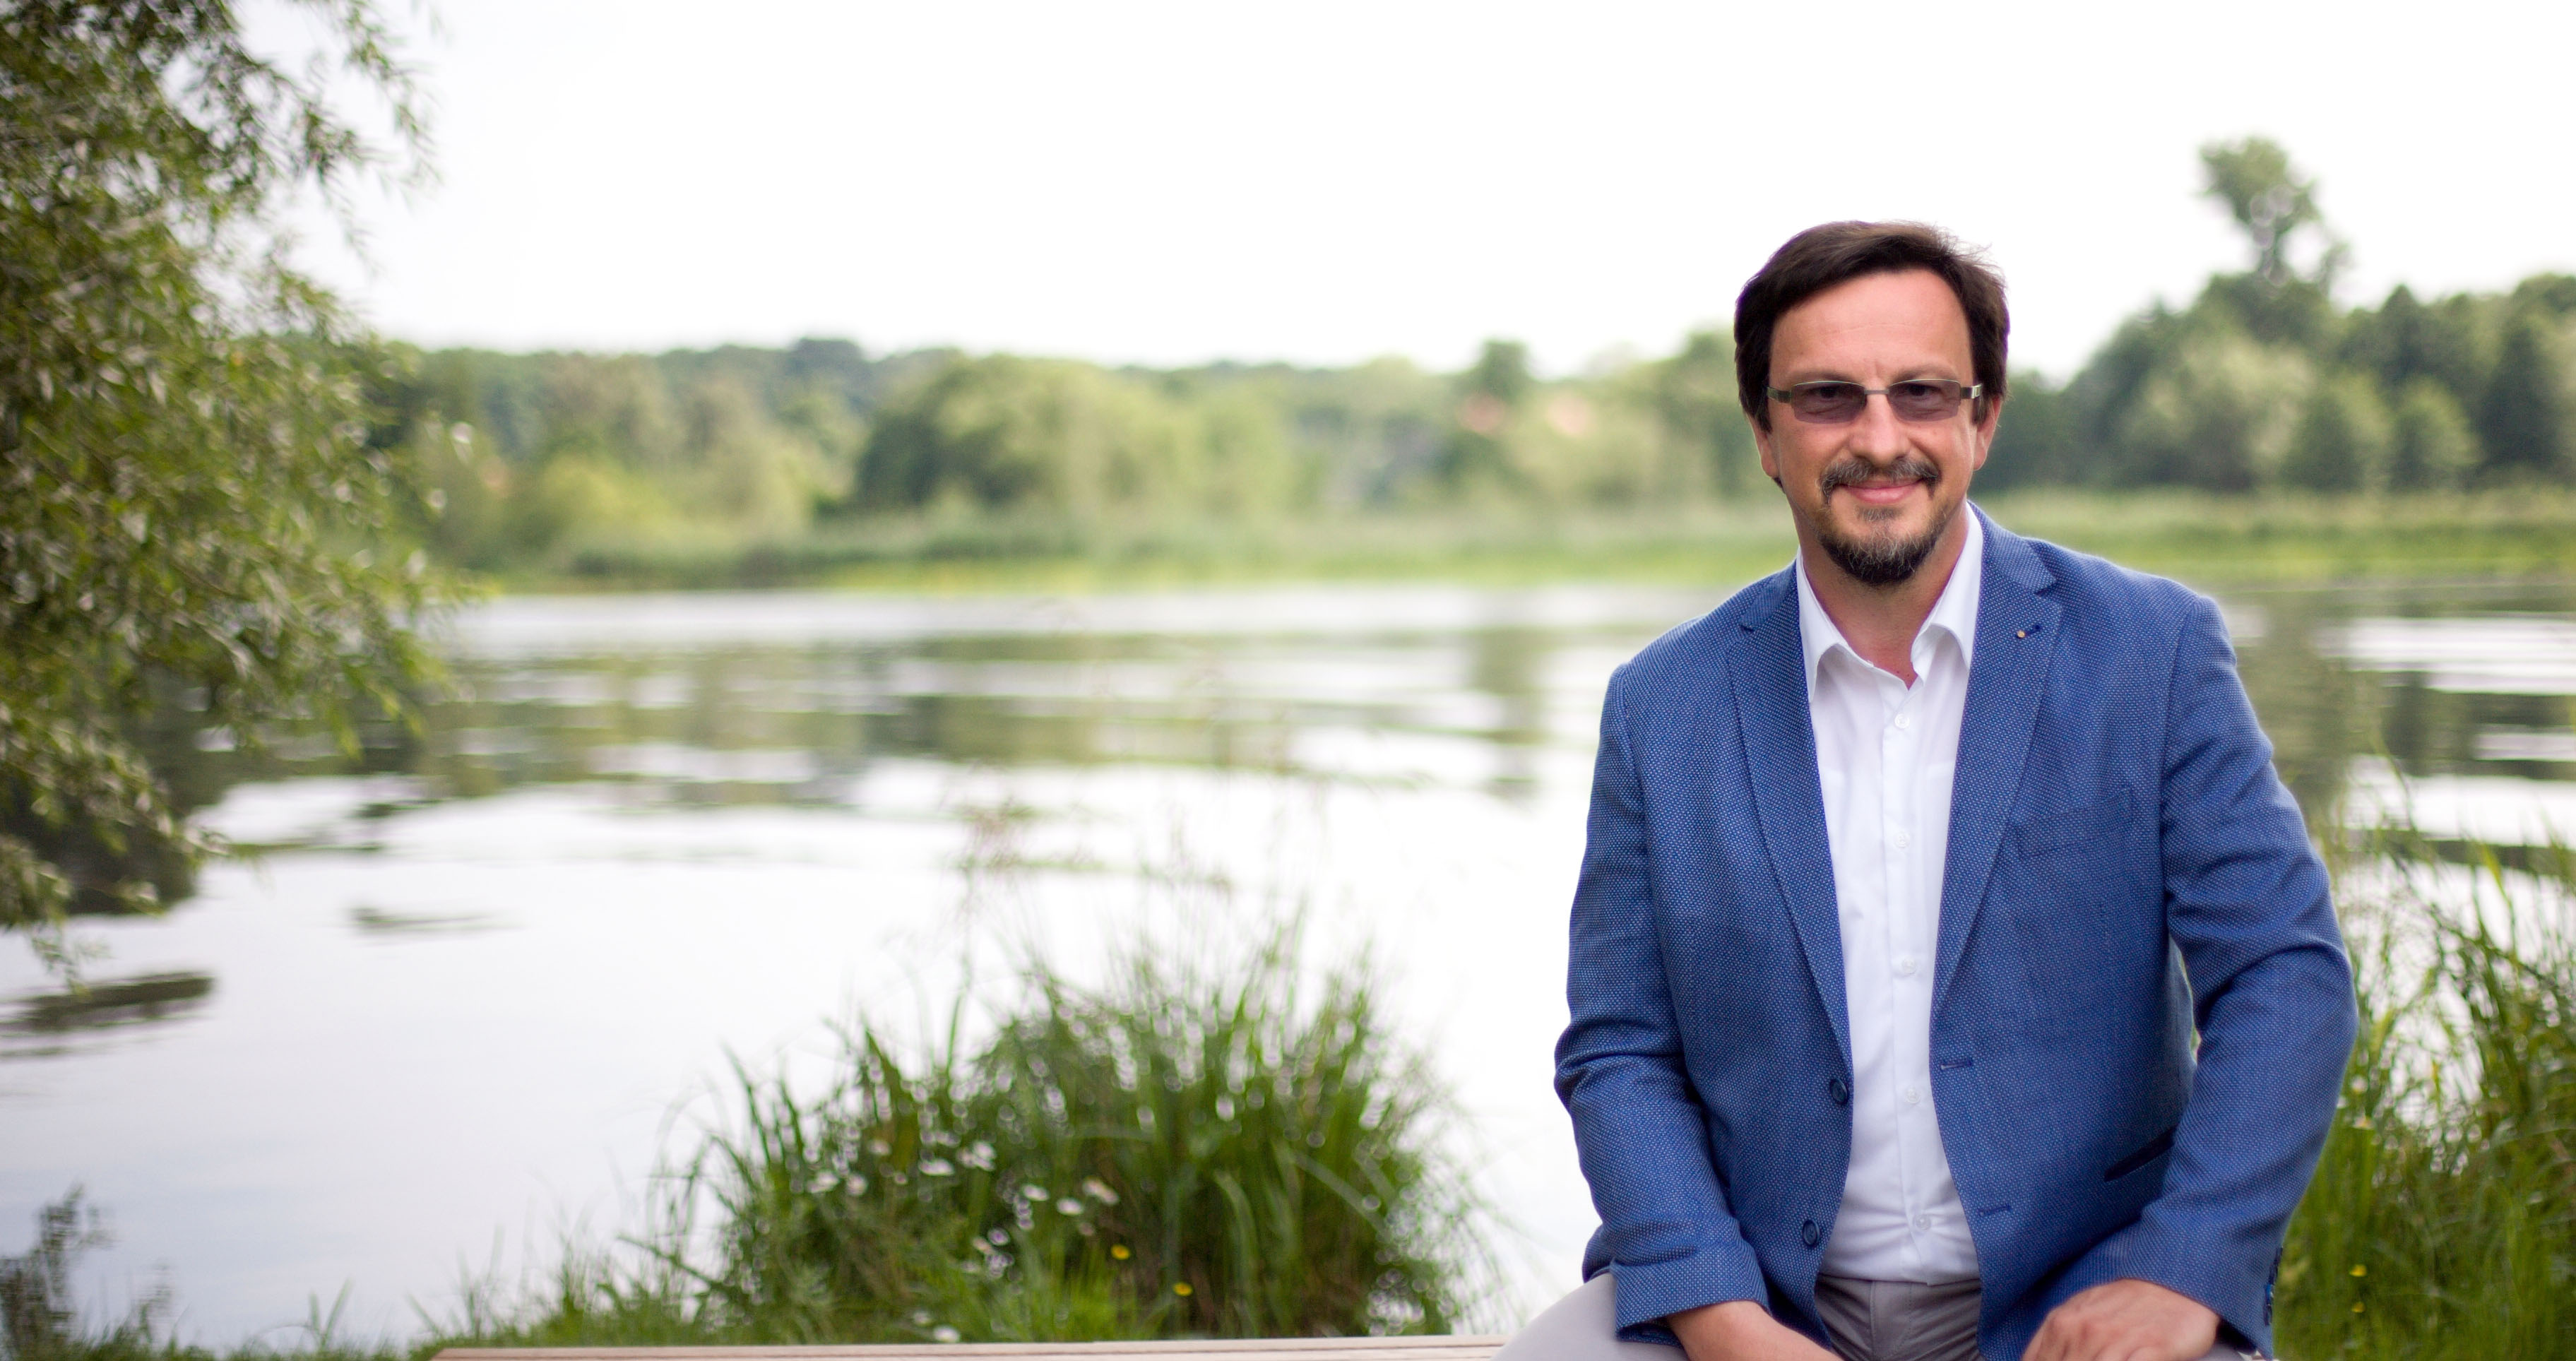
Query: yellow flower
x,y
1181,1288
1119,1251
2356,1306
2361,1271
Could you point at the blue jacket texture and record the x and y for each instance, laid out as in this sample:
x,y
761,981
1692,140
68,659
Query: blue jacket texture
x,y
2141,1011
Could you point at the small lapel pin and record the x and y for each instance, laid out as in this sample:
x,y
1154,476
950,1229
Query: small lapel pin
x,y
2021,633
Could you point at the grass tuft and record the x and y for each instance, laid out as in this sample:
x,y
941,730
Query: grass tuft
x,y
1180,1153
2442,1221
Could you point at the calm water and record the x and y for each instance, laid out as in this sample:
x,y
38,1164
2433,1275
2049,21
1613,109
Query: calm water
x,y
471,990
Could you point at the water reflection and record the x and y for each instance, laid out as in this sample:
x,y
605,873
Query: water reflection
x,y
782,698
44,1023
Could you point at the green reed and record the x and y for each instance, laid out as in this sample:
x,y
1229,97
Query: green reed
x,y
2442,1222
1182,1152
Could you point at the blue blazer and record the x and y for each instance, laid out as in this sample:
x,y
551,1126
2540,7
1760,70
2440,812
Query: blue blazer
x,y
2125,874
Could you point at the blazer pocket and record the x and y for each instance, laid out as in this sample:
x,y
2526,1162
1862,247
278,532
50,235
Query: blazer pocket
x,y
2042,833
2155,1148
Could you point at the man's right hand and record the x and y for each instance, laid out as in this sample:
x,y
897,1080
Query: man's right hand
x,y
1740,1330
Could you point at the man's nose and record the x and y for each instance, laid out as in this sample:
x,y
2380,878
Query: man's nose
x,y
1876,432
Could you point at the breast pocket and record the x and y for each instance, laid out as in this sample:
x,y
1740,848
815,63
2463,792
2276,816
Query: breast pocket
x,y
2066,873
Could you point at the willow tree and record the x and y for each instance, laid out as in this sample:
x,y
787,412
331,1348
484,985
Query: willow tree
x,y
191,510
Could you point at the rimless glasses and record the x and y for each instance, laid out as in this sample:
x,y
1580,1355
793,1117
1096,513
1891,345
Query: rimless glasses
x,y
1834,402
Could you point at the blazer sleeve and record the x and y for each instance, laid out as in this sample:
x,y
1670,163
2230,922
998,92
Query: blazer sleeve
x,y
1667,1232
2248,903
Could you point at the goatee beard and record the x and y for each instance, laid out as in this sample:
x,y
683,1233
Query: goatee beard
x,y
1881,562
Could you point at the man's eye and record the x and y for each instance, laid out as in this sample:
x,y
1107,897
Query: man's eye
x,y
1914,391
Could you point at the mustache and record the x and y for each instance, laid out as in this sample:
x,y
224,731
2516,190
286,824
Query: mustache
x,y
1906,467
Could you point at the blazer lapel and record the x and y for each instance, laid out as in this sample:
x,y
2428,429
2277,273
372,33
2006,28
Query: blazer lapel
x,y
2017,630
1768,671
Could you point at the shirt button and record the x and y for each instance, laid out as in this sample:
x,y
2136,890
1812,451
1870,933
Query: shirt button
x,y
1923,1223
1904,720
1913,1095
1905,966
1904,840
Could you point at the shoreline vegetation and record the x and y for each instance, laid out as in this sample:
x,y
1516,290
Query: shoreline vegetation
x,y
1223,1151
2205,539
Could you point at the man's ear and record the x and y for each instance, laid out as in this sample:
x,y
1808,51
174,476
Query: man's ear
x,y
1986,432
1762,445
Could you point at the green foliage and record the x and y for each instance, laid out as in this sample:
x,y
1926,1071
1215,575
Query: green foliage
x,y
1003,433
2264,383
2525,420
542,459
2343,442
2431,446
2442,1222
38,1314
1175,1155
191,510
2213,412
1694,393
2271,201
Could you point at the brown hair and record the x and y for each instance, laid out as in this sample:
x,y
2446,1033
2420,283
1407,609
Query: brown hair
x,y
1820,258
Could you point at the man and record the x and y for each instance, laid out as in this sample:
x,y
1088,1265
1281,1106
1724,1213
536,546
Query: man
x,y
1951,974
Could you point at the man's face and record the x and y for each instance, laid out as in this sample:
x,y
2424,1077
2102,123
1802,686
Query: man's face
x,y
1876,493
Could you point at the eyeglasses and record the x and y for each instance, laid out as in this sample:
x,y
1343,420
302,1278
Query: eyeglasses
x,y
1834,402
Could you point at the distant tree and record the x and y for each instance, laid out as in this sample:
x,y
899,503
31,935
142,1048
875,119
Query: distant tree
x,y
2036,442
1492,391
1502,371
2272,202
1057,437
2342,443
2432,447
191,511
2551,293
2525,421
1694,395
2216,411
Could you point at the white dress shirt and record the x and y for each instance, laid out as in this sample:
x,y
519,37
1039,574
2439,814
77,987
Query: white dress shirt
x,y
1886,755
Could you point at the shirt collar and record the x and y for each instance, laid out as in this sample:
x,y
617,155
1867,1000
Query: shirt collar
x,y
1955,613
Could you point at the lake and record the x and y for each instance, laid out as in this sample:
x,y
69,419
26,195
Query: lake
x,y
481,978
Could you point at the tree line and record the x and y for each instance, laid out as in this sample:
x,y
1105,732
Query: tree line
x,y
2262,383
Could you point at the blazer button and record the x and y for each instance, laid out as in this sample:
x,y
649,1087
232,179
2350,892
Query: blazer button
x,y
1808,1233
1840,1091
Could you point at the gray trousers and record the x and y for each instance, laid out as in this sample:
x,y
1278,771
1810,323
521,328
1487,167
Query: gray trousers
x,y
1868,1320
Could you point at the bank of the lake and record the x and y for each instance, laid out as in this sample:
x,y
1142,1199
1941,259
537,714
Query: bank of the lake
x,y
2277,539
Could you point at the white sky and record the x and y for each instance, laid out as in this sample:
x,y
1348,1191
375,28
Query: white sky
x,y
1324,182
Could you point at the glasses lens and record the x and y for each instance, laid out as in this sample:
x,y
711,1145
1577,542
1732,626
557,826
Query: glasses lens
x,y
1827,403
1924,399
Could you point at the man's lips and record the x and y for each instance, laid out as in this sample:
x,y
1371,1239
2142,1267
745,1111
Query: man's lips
x,y
1881,493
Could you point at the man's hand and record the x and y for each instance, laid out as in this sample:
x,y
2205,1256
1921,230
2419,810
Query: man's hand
x,y
2126,1320
1740,1330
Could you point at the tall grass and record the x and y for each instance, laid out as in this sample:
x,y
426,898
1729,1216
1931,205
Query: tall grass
x,y
1178,1153
2442,1222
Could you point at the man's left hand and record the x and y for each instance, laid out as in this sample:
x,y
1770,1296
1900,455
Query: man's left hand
x,y
2126,1320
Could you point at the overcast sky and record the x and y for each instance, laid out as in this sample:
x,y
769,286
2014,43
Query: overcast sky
x,y
1323,182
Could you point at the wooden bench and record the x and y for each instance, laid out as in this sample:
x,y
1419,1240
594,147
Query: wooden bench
x,y
1267,1349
